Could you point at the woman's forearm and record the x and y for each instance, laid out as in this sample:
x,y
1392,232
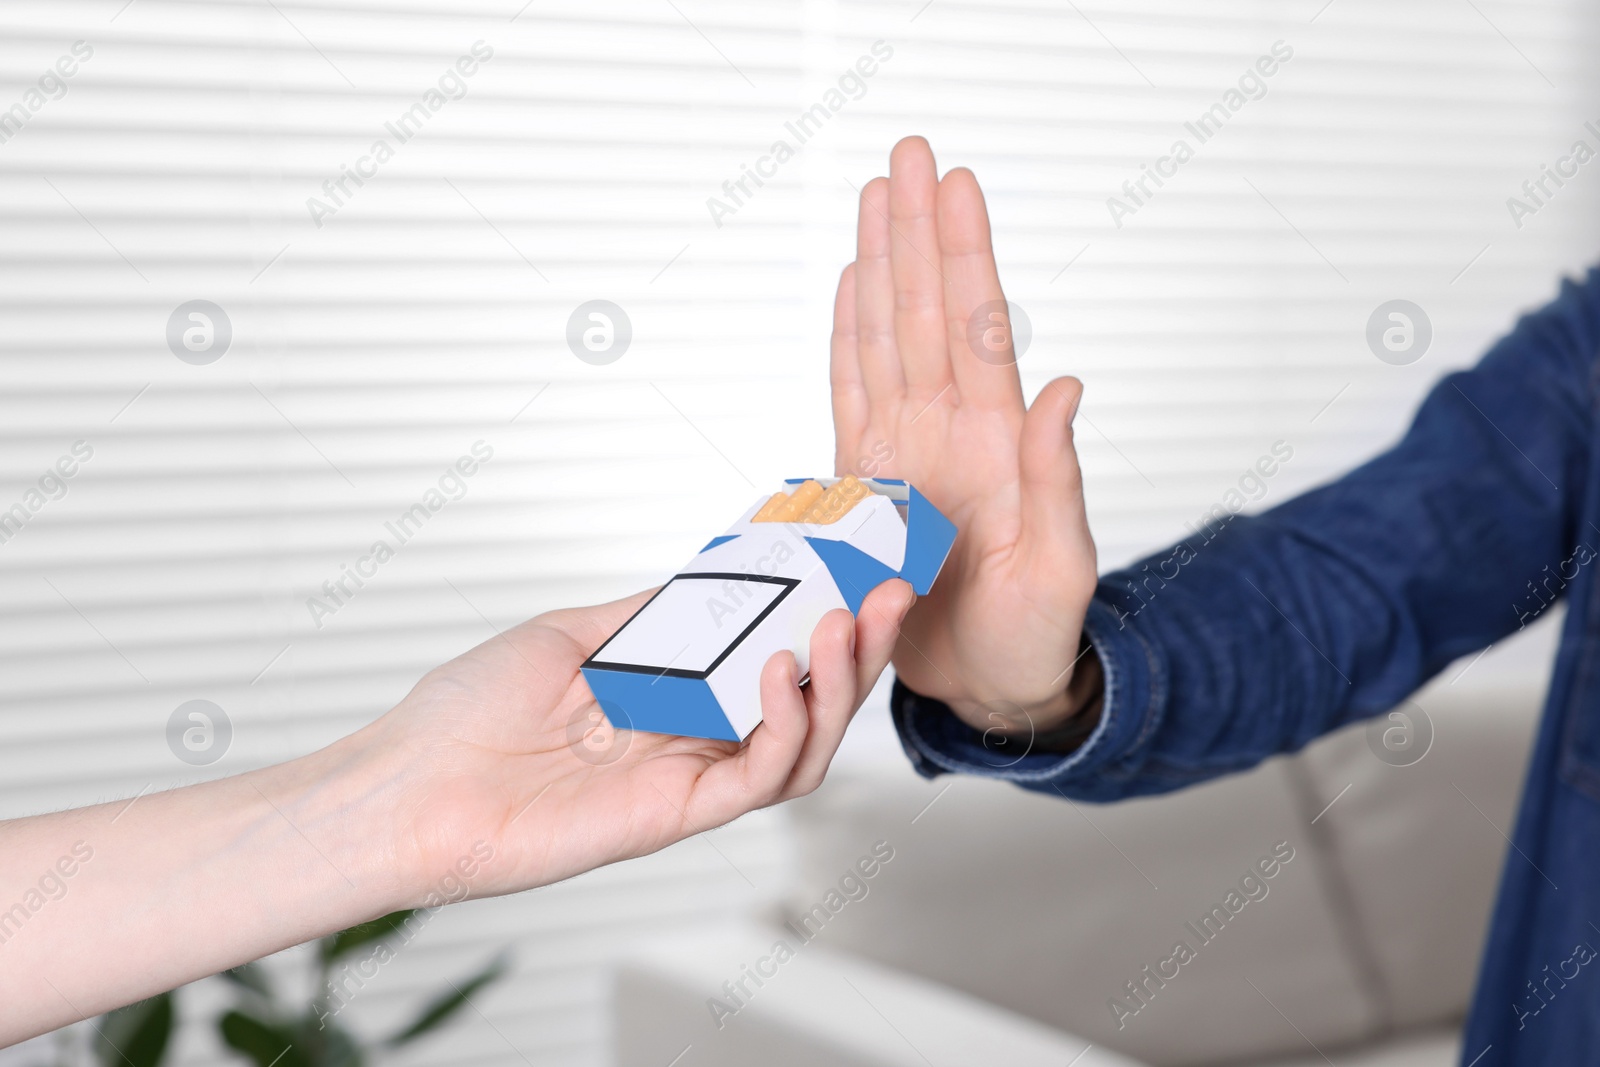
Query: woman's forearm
x,y
474,784
105,905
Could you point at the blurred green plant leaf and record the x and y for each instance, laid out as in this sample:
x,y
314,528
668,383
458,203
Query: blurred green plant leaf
x,y
267,1035
266,1044
329,1044
135,1036
251,976
443,1007
347,941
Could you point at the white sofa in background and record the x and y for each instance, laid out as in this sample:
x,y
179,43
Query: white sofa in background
x,y
1006,921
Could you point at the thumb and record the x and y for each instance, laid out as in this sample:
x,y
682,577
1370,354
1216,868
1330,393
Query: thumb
x,y
1053,517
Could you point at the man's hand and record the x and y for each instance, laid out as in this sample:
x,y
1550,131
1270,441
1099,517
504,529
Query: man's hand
x,y
922,365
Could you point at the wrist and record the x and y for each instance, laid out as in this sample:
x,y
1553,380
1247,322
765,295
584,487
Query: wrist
x,y
345,801
1067,718
1086,698
431,823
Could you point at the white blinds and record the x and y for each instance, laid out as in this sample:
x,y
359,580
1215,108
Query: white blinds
x,y
429,312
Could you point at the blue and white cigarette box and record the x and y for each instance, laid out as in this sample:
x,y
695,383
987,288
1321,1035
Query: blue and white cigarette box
x,y
689,662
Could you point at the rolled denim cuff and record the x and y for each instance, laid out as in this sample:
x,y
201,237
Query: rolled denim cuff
x,y
939,743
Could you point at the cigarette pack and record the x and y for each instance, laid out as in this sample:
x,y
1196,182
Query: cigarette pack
x,y
689,661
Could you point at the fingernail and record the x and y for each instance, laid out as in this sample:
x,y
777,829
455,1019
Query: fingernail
x,y
1072,412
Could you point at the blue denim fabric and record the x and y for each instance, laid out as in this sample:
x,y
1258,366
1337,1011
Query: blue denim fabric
x,y
1278,627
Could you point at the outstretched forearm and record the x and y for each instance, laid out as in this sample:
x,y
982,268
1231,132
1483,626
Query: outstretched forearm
x,y
475,775
113,903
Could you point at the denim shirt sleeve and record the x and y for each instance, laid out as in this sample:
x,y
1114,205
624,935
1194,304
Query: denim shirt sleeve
x,y
1257,634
